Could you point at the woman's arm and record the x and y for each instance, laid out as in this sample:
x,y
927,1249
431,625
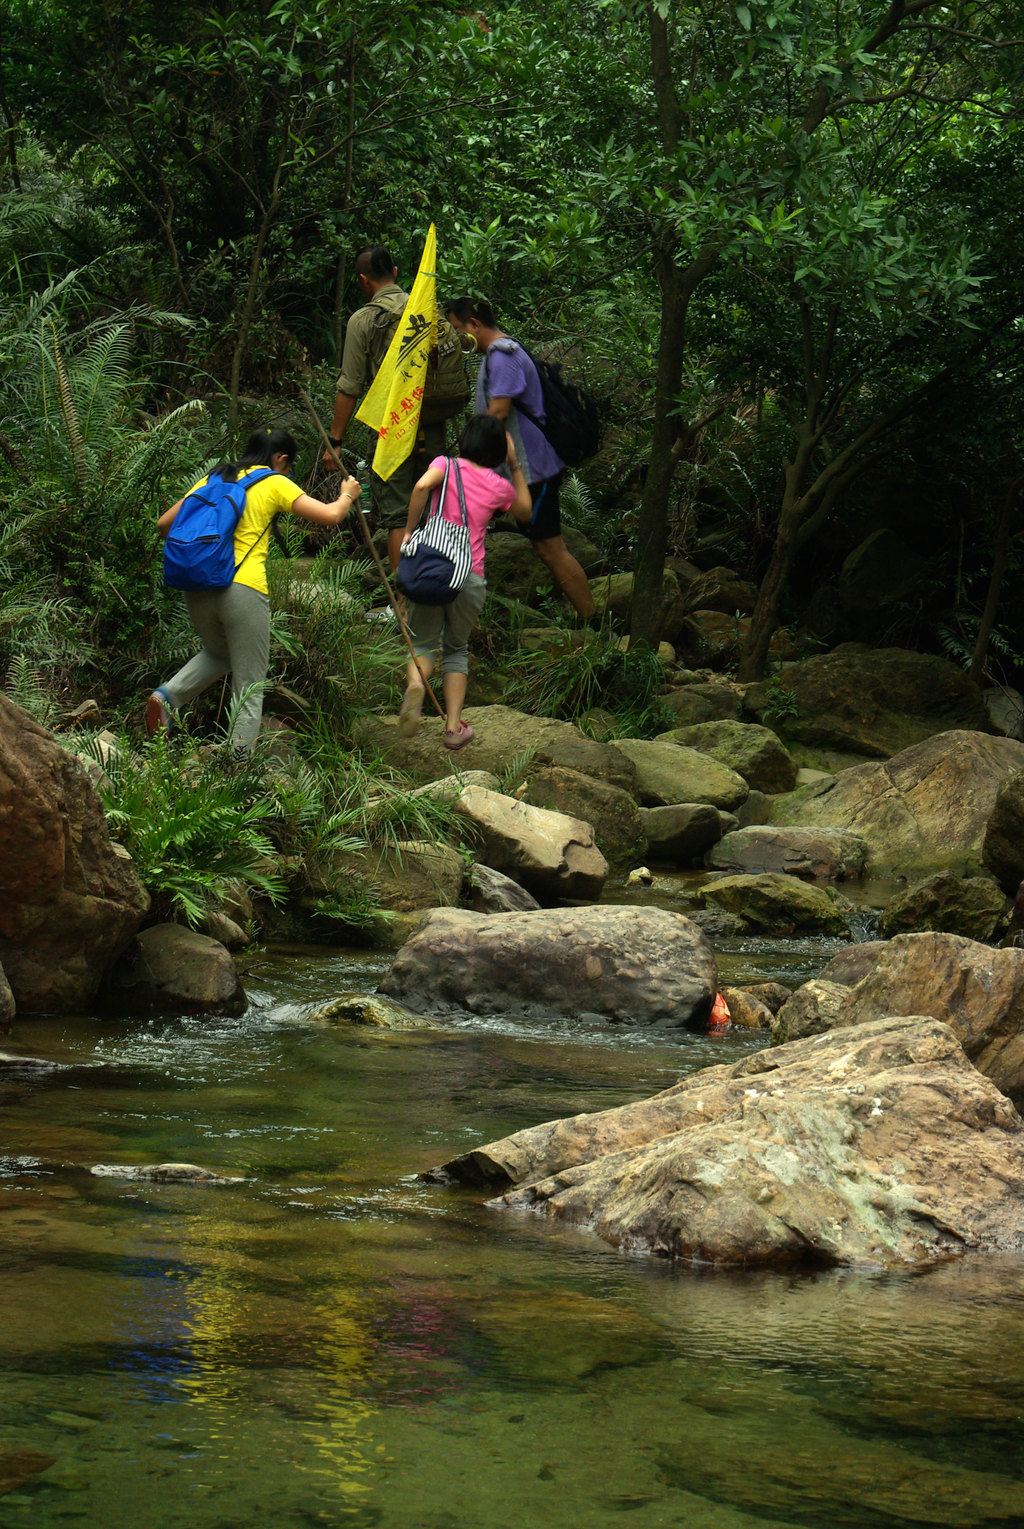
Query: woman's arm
x,y
328,514
166,520
432,478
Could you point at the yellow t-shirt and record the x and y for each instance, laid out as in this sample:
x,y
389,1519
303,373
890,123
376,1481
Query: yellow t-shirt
x,y
263,500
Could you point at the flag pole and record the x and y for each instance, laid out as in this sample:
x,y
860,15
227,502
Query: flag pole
x,y
392,597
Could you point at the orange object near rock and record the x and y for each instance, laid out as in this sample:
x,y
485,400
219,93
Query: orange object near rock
x,y
719,1016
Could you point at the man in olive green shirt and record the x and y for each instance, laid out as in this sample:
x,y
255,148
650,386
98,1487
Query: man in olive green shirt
x,y
367,338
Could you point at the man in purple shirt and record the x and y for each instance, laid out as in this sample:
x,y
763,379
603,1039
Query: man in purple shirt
x,y
508,387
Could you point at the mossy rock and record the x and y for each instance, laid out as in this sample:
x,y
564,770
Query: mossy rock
x,y
776,904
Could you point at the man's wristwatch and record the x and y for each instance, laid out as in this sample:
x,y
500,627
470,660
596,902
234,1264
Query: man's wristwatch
x,y
335,441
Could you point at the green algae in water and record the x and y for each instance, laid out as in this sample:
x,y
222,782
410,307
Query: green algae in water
x,y
334,1342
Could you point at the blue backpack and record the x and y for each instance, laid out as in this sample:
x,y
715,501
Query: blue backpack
x,y
199,552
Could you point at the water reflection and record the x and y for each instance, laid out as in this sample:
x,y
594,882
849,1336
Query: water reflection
x,y
333,1342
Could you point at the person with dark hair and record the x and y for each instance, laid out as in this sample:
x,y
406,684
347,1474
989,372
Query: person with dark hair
x,y
508,387
483,446
234,623
367,337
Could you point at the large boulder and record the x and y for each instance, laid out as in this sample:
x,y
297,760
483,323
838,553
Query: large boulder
x,y
549,853
503,738
610,811
705,701
70,901
822,854
753,751
1002,849
514,568
640,966
174,967
972,906
667,773
976,989
876,1146
682,832
720,589
775,904
924,810
874,701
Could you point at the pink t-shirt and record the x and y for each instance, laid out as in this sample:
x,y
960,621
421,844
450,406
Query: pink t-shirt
x,y
486,495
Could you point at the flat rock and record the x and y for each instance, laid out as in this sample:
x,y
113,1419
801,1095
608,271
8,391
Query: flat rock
x,y
641,966
775,904
667,773
503,737
881,1145
818,854
549,853
926,809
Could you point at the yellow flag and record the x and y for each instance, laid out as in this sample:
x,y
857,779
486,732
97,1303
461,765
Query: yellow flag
x,y
392,406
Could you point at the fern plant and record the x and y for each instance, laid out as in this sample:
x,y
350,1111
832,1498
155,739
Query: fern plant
x,y
191,832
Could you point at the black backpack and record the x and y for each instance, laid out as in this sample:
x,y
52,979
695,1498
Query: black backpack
x,y
571,421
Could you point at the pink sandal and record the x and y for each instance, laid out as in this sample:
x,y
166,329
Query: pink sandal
x,y
458,740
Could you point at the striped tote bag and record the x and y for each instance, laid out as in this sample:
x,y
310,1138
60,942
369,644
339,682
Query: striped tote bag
x,y
437,559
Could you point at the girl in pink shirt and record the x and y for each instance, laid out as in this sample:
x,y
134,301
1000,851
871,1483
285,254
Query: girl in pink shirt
x,y
483,446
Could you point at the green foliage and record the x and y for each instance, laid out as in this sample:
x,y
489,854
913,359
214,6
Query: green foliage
x,y
193,827
596,673
782,704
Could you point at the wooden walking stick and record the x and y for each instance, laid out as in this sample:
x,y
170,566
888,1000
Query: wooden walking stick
x,y
392,597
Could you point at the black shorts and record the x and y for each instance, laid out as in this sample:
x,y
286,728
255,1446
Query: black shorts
x,y
546,520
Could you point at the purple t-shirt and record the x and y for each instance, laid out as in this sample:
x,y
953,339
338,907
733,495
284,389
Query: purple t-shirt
x,y
508,372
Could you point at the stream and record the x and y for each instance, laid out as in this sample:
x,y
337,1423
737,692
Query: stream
x,y
334,1342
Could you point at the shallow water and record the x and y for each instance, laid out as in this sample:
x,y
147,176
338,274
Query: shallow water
x,y
334,1342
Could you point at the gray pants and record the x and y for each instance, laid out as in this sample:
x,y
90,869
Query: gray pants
x,y
448,626
234,625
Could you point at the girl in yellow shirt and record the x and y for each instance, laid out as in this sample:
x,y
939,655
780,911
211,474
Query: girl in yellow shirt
x,y
234,623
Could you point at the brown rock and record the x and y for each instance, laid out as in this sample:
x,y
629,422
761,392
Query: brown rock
x,y
880,1145
69,903
925,810
817,854
814,1008
683,832
977,990
176,967
611,812
746,1011
640,966
549,853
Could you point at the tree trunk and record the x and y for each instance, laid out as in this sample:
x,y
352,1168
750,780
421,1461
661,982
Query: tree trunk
x,y
765,619
652,529
249,308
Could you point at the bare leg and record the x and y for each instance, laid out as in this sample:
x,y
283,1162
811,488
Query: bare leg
x,y
569,576
454,687
416,676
